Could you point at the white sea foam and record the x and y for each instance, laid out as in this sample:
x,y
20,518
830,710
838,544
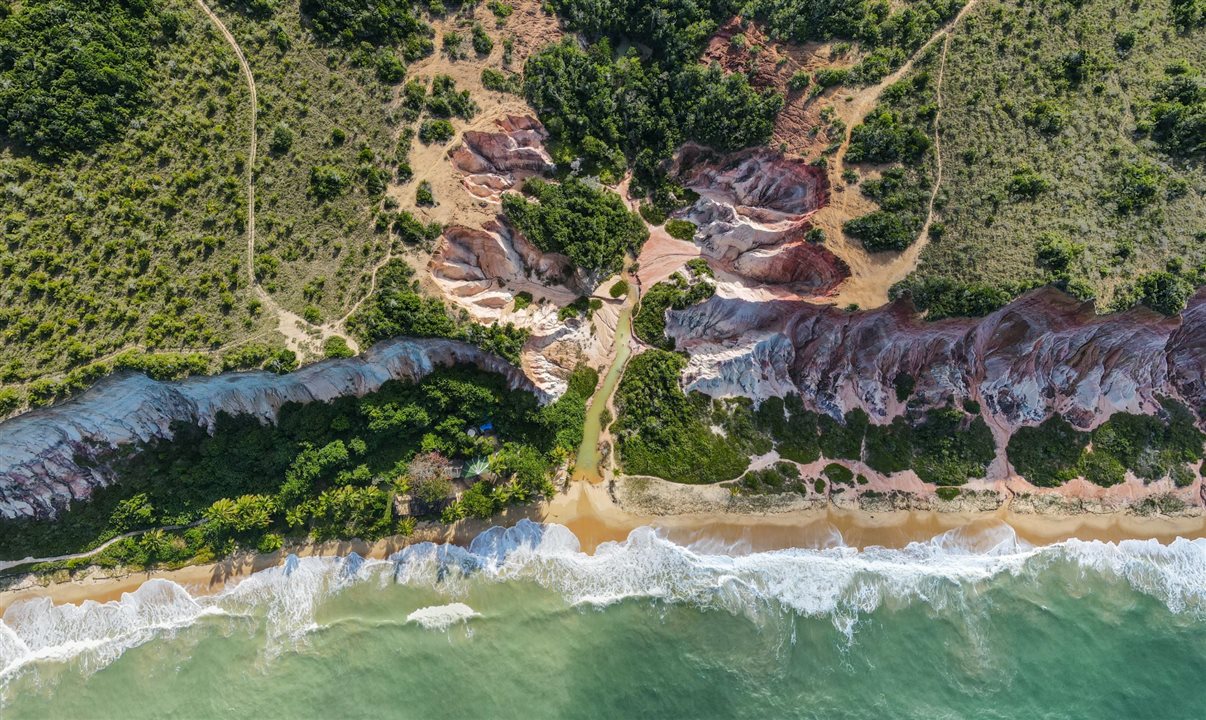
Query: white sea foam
x,y
838,582
442,617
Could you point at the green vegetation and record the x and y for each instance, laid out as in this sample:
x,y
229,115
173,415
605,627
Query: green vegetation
x,y
1150,446
778,478
681,229
398,308
1047,454
324,470
679,292
1073,120
897,132
676,33
501,81
590,226
619,289
944,446
660,431
838,474
390,22
617,112
75,74
1177,120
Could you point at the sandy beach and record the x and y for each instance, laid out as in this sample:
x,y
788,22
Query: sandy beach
x,y
592,514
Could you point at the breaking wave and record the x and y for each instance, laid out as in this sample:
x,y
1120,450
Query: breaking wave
x,y
839,582
442,617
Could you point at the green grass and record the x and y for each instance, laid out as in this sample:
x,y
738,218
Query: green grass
x,y
1062,92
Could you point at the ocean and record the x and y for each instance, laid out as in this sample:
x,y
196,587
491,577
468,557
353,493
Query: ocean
x,y
522,624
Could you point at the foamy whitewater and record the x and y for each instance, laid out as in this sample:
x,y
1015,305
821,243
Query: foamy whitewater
x,y
529,591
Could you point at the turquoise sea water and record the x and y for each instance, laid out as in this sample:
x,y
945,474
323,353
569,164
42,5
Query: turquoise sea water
x,y
522,625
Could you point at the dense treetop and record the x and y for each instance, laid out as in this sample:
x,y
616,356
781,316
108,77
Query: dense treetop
x,y
616,111
591,226
74,74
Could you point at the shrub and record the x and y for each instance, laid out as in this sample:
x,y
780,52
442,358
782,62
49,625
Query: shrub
x,y
327,182
619,289
436,131
482,44
390,69
659,431
681,229
337,347
947,493
880,231
1047,455
592,227
424,196
282,139
75,74
499,81
839,474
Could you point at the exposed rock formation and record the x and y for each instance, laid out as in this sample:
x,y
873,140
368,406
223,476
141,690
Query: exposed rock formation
x,y
47,457
752,217
495,161
1044,353
490,264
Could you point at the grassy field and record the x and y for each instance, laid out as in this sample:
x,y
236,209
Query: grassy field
x,y
323,108
139,243
1045,151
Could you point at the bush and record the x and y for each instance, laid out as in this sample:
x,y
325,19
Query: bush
x,y
1047,455
482,44
677,292
500,82
337,347
348,22
880,231
619,289
681,229
445,101
883,137
282,139
327,182
659,431
839,474
423,195
74,73
592,227
436,131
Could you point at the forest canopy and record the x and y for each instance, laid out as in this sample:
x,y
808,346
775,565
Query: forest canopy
x,y
74,74
616,112
590,226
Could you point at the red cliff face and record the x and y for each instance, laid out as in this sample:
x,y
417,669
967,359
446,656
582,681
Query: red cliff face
x,y
495,161
753,215
1044,353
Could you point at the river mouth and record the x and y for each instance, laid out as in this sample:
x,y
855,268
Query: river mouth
x,y
587,464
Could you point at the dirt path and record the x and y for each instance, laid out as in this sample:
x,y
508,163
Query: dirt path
x,y
300,336
924,236
873,274
6,564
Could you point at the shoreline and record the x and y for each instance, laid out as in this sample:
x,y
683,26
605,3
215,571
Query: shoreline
x,y
594,516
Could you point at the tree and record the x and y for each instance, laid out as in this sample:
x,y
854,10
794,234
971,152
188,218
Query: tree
x,y
592,227
73,73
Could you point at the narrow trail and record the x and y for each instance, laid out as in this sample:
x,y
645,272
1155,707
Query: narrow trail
x,y
924,234
298,333
874,273
7,564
